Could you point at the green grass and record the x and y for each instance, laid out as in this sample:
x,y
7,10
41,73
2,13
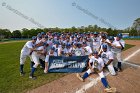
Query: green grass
x,y
12,40
10,80
127,46
131,38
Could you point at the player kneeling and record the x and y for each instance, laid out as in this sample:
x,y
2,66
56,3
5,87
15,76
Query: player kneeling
x,y
50,53
107,57
97,66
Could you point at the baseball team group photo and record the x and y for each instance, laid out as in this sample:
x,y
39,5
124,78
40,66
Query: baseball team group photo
x,y
71,47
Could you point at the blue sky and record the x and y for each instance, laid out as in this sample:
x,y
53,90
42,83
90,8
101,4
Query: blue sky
x,y
61,13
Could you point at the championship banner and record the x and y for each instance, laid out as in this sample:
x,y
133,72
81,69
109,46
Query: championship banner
x,y
74,64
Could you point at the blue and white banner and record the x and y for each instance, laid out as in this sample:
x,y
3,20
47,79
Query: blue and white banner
x,y
72,64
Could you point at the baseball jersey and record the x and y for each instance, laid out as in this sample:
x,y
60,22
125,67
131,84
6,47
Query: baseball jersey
x,y
114,49
26,48
38,41
121,41
96,41
106,56
87,50
98,61
67,50
78,52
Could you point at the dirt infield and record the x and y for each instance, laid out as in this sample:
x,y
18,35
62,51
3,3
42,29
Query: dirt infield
x,y
127,81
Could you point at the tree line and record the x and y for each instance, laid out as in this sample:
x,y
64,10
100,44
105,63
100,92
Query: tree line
x,y
28,33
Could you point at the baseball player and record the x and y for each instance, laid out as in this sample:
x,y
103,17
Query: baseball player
x,y
97,66
87,49
57,47
122,43
39,44
67,50
108,57
26,51
96,41
79,50
116,49
50,53
36,55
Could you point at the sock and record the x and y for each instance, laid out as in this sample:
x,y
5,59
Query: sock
x,y
104,82
115,69
85,75
119,64
42,63
32,63
21,68
32,71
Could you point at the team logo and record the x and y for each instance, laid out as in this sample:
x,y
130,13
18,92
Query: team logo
x,y
96,64
104,56
78,53
85,50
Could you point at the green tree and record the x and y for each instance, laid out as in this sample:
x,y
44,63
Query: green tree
x,y
5,33
16,34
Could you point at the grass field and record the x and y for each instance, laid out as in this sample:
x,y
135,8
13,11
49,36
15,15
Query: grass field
x,y
10,80
131,39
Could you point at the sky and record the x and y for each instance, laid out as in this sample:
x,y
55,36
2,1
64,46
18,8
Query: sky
x,y
18,14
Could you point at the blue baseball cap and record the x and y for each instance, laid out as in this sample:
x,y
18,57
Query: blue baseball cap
x,y
45,43
52,48
43,33
34,38
104,35
111,37
56,42
119,35
104,46
39,36
84,43
72,36
95,52
95,33
67,45
78,44
46,36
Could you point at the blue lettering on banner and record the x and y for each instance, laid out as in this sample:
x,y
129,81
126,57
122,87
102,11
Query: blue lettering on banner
x,y
72,64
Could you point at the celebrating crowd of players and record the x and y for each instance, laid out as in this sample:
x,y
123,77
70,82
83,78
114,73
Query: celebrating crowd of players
x,y
103,51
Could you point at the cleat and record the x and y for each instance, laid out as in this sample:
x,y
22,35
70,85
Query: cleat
x,y
22,74
32,77
45,71
119,70
110,90
41,66
115,69
79,77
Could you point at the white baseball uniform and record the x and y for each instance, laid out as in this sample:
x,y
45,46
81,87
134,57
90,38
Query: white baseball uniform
x,y
100,65
96,43
116,52
26,50
88,50
106,56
